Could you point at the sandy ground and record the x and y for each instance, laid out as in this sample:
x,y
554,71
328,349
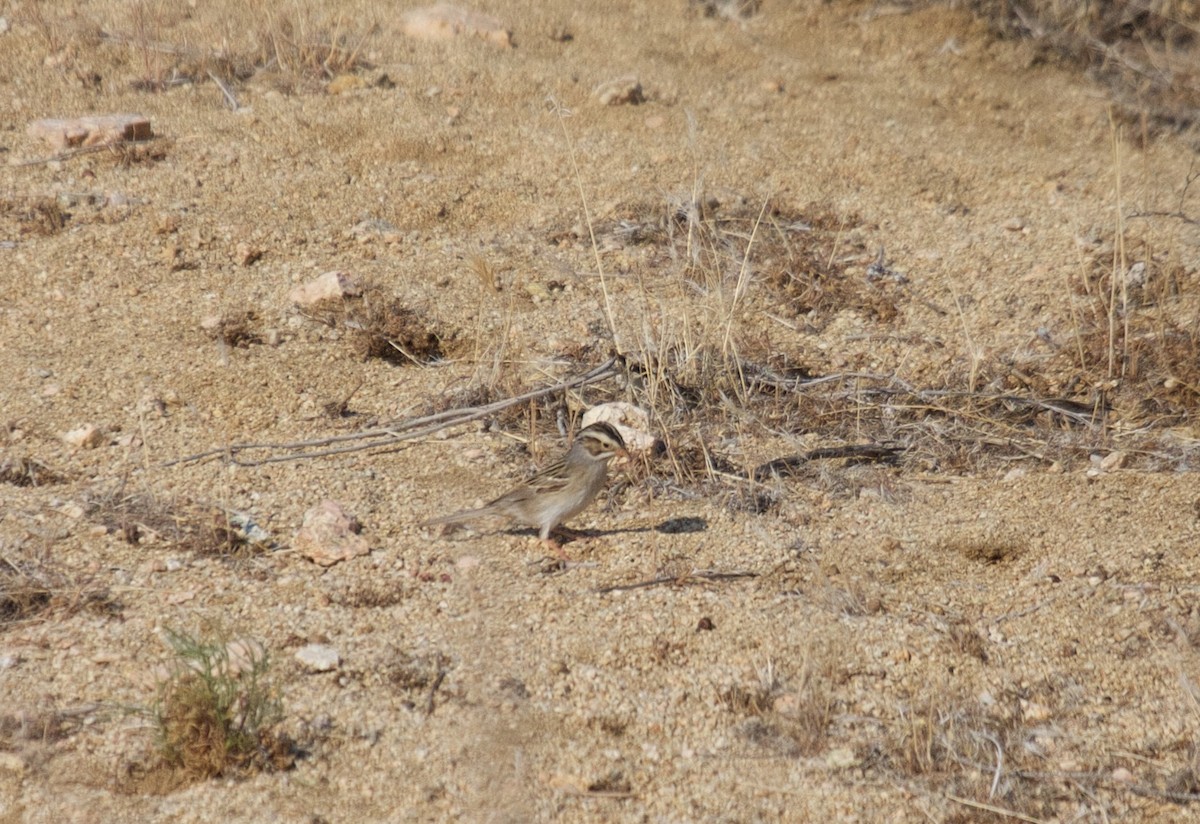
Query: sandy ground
x,y
916,642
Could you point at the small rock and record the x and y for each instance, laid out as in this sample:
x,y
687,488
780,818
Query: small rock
x,y
344,83
841,758
1122,776
319,657
623,90
72,510
329,535
96,130
537,291
787,704
1114,460
9,660
4,25
1014,224
247,255
1035,712
87,436
329,286
446,22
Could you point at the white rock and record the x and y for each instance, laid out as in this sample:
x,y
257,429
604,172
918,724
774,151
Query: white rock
x,y
329,286
87,436
1114,460
319,657
841,758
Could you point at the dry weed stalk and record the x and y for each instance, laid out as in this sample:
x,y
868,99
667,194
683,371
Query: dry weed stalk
x,y
30,585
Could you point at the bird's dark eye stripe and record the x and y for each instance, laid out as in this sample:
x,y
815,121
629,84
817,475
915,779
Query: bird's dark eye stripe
x,y
610,431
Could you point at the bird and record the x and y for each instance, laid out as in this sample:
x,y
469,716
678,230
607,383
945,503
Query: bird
x,y
558,492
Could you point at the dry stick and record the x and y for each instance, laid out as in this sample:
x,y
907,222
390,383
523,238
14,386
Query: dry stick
x,y
82,150
691,577
225,90
991,808
399,430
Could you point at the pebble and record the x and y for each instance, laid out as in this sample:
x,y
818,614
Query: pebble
x,y
841,758
622,90
319,657
329,286
329,535
1114,460
87,436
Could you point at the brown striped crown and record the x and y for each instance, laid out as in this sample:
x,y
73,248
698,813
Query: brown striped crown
x,y
601,440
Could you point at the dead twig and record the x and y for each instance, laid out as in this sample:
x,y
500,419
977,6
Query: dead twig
x,y
230,99
992,808
392,433
783,467
693,577
434,686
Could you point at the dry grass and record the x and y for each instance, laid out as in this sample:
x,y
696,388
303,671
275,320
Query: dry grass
x,y
32,586
790,719
1146,51
299,43
145,517
26,471
380,325
983,759
33,215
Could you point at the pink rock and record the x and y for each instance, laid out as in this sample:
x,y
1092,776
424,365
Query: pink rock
x,y
329,535
95,130
329,286
445,22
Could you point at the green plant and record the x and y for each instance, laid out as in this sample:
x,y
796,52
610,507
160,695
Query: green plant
x,y
217,711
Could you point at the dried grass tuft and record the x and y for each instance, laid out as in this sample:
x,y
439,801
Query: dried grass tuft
x,y
195,527
31,586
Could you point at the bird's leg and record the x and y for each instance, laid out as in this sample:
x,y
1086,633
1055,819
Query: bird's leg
x,y
555,547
